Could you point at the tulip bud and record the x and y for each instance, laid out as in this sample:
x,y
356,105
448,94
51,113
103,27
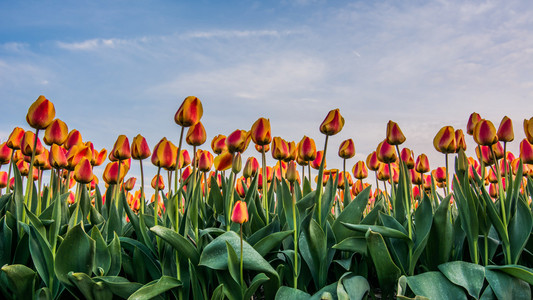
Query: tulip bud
x,y
526,152
110,174
505,131
460,140
56,133
386,153
498,150
372,161
239,188
28,140
121,149
158,182
333,123
485,133
5,154
422,164
416,178
196,135
3,180
307,149
292,173
219,144
236,165
190,112
130,183
223,161
406,155
493,191
347,149
528,130
41,113
394,134
73,139
186,173
15,138
383,172
315,164
292,151
260,132
440,174
139,148
238,141
57,157
205,161
472,121
359,170
280,148
240,213
250,168
83,173
164,154
462,161
444,141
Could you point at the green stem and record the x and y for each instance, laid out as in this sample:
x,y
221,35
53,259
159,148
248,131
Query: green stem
x,y
117,186
29,184
39,182
49,196
143,200
241,265
447,191
10,167
177,159
295,224
309,171
486,248
319,182
264,184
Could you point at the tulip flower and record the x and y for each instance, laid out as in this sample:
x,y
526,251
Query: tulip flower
x,y
307,149
485,155
236,164
357,187
315,164
406,155
223,161
75,154
56,133
260,132
41,160
383,173
121,149
238,141
394,134
386,153
239,188
460,140
130,183
416,178
497,150
528,130
260,149
292,151
184,159
73,139
83,173
164,154
3,180
158,182
472,121
440,174
422,164
41,113
28,143
111,173
250,168
5,154
505,131
240,213
280,148
196,135
444,141
100,157
57,157
359,170
15,138
526,152
219,144
292,173
190,112
139,148
205,161
485,133
347,149
333,123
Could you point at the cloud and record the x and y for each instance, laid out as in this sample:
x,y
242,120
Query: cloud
x,y
13,47
91,44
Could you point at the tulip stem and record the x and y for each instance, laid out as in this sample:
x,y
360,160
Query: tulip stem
x,y
143,201
10,167
447,191
29,183
319,182
264,184
178,159
241,265
309,171
295,225
156,196
39,182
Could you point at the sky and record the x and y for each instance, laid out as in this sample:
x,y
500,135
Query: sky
x,y
124,67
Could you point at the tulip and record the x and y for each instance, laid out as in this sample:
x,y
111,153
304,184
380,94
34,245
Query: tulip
x,y
386,153
139,148
205,161
236,164
492,177
260,132
100,157
190,112
460,140
83,173
383,173
15,138
292,151
485,155
472,121
493,190
428,180
359,170
315,164
223,161
41,160
340,180
5,154
158,182
57,157
75,154
56,133
333,123
240,213
250,168
416,178
3,180
485,133
498,150
526,152
422,164
73,139
528,130
164,154
41,113
121,149
357,187
260,149
394,134
347,149
292,173
307,149
372,161
184,159
238,141
130,183
111,173
280,148
407,157
196,135
24,168
505,131
444,141
28,142
440,174
186,173
239,188
219,144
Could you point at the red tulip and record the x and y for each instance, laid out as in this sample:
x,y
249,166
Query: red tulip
x,y
190,112
130,183
440,174
260,132
383,172
444,141
158,182
485,133
307,149
15,138
386,152
460,140
347,149
359,170
3,180
164,154
73,139
251,167
57,157
472,121
238,141
422,164
372,161
333,123
41,113
100,157
406,155
394,134
205,161
239,188
139,148
280,148
528,130
27,143
196,135
240,213
56,133
76,153
485,155
292,150
219,144
41,160
526,152
416,178
184,159
5,154
83,173
223,161
505,131
121,149
110,174
315,164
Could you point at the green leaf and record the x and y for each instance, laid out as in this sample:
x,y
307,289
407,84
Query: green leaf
x,y
265,245
351,287
286,292
178,242
233,263
116,256
519,230
507,287
102,257
327,292
520,272
435,286
387,271
42,256
21,280
382,230
255,284
119,286
218,293
468,275
155,288
440,241
353,244
423,223
351,214
313,248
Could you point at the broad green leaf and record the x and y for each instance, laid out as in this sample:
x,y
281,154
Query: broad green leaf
x,y
351,287
102,257
387,271
119,286
507,287
468,275
353,244
439,246
178,242
255,284
75,254
233,263
155,288
218,293
520,272
351,214
327,292
116,256
435,286
423,223
382,230
21,280
286,292
519,230
42,256
268,243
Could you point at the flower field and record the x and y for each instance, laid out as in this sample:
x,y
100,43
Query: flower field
x,y
217,227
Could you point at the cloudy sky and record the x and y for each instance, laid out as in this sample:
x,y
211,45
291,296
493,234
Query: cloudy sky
x,y
123,67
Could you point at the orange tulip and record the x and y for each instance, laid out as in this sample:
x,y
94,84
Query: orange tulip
x,y
251,167
238,141
110,174
41,113
427,182
164,154
121,149
472,121
57,157
386,153
485,155
505,131
219,144
184,159
498,150
485,133
359,170
394,134
526,152
357,187
100,157
315,164
383,172
83,173
416,178
24,167
76,153
292,150
41,160
292,173
280,148
372,161
223,161
260,148
186,173
240,213
528,130
15,138
347,149
440,174
73,139
190,112
139,148
406,155
239,188
56,133
260,132
307,149
28,140
422,164
460,140
3,180
340,180
444,141
333,123
130,183
205,161
158,182
196,135
5,154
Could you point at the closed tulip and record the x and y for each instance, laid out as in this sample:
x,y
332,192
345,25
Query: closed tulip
x,y
110,174
56,133
5,154
205,161
372,161
280,148
240,213
41,160
158,182
526,152
139,148
472,121
307,149
76,153
383,172
236,164
292,151
57,157
121,149
83,173
218,144
444,141
333,123
485,133
528,130
315,164
164,154
422,164
250,168
440,174
359,170
3,180
460,140
184,159
15,138
196,135
416,178
130,183
505,131
260,132
485,155
27,144
292,173
260,149
394,134
347,149
386,153
73,139
41,113
190,112
406,155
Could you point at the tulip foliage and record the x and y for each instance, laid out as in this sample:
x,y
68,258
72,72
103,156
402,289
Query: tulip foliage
x,y
461,231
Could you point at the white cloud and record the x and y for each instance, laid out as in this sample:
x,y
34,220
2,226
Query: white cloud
x,y
91,44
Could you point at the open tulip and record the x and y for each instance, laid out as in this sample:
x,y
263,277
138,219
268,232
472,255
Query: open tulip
x,y
223,161
56,133
526,152
100,157
422,164
386,153
347,149
15,138
218,144
41,113
139,148
359,170
240,213
485,133
472,121
121,149
444,141
394,134
190,112
76,153
164,154
333,123
505,131
260,132
196,135
307,149
73,139
83,173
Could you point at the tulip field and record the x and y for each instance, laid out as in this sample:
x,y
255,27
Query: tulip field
x,y
213,226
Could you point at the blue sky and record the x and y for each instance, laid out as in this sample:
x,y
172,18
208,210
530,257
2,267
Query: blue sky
x,y
123,67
